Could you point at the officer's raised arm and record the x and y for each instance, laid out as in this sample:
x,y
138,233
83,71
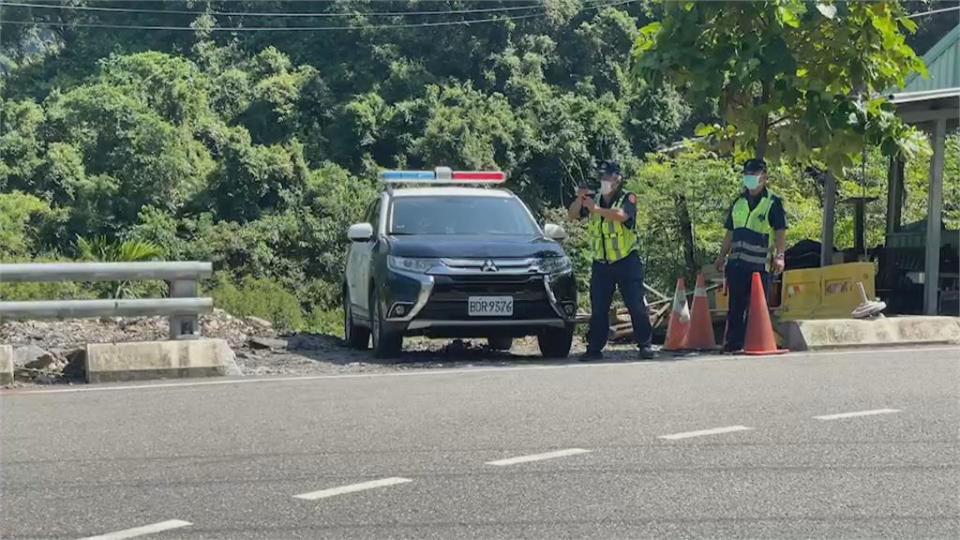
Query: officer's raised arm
x,y
575,210
611,214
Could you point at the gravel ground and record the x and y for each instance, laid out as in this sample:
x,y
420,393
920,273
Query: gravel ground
x,y
50,352
325,354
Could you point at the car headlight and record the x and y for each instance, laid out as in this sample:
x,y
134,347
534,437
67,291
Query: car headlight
x,y
411,264
555,265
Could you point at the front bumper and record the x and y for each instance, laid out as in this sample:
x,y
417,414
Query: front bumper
x,y
436,305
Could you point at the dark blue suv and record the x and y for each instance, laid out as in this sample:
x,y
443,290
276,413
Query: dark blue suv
x,y
449,261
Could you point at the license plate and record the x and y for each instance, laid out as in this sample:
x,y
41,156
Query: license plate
x,y
490,306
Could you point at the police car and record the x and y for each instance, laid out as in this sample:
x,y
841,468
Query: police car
x,y
442,254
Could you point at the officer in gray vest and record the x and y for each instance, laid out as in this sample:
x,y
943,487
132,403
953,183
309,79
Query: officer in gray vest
x,y
754,217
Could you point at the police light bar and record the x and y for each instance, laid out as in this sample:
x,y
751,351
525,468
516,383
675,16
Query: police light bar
x,y
443,175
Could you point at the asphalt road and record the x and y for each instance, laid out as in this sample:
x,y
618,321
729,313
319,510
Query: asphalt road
x,y
728,448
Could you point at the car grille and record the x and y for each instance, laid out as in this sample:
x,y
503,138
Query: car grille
x,y
450,293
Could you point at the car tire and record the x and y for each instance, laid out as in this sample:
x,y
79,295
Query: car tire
x,y
356,337
385,344
500,343
555,342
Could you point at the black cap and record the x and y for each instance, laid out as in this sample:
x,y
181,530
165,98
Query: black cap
x,y
756,165
606,167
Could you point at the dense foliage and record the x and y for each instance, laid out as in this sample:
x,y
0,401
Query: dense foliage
x,y
215,130
782,84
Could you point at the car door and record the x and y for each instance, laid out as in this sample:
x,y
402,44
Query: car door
x,y
360,259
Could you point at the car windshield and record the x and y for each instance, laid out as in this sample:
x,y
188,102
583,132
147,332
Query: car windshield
x,y
460,215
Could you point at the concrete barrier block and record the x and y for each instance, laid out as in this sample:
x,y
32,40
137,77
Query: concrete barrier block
x,y
6,364
846,333
108,362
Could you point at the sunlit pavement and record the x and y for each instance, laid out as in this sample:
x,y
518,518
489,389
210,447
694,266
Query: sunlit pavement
x,y
859,443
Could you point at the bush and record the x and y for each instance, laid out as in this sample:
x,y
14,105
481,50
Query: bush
x,y
262,298
65,290
21,292
328,322
577,246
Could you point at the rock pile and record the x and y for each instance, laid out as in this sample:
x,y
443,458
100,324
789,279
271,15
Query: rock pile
x,y
54,351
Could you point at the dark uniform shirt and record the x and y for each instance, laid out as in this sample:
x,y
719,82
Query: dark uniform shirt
x,y
777,216
629,207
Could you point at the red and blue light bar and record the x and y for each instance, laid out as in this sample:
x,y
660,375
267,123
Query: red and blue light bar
x,y
443,175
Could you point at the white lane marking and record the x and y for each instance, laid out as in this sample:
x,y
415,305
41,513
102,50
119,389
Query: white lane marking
x,y
459,371
539,457
141,531
855,414
324,493
703,432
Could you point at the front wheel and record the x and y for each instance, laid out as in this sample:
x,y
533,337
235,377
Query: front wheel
x,y
385,344
555,342
357,337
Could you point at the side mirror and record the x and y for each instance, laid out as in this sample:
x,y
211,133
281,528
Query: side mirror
x,y
554,232
360,232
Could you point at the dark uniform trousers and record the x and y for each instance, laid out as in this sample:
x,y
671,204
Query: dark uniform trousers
x,y
626,275
739,284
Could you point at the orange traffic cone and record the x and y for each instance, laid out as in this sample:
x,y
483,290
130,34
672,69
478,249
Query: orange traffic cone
x,y
679,323
700,336
759,338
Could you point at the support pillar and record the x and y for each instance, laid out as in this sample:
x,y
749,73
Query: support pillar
x,y
894,194
829,214
859,228
931,267
185,326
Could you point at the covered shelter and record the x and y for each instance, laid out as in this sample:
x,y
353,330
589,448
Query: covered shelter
x,y
933,105
919,264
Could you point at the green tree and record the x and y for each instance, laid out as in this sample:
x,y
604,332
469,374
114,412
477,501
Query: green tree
x,y
21,144
793,78
22,216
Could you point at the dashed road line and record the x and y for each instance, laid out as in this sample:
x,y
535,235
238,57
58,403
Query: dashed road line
x,y
352,488
704,432
142,531
856,414
538,457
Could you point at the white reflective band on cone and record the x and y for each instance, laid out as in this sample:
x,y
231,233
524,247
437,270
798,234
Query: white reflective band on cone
x,y
680,306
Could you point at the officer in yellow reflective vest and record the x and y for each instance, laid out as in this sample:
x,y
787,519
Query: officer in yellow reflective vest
x,y
616,263
754,217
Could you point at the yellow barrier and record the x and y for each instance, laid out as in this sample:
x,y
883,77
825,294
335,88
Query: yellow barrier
x,y
813,293
840,292
721,298
801,293
825,293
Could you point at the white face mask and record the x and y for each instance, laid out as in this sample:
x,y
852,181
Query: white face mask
x,y
751,181
606,187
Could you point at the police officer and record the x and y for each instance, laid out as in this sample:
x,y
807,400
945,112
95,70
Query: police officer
x,y
752,218
616,263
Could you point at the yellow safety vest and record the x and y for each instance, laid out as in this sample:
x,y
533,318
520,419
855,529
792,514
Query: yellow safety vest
x,y
751,231
610,240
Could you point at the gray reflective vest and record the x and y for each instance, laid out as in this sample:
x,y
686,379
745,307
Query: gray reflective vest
x,y
751,232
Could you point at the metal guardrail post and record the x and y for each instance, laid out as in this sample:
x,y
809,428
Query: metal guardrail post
x,y
184,326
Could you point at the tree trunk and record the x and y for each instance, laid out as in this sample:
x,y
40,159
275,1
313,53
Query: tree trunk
x,y
686,236
763,128
762,141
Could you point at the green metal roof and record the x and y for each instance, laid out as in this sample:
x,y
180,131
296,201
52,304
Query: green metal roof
x,y
943,63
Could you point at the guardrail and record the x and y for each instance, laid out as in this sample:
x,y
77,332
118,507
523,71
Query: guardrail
x,y
182,306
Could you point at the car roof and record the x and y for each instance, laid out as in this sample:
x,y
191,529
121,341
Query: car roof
x,y
451,191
